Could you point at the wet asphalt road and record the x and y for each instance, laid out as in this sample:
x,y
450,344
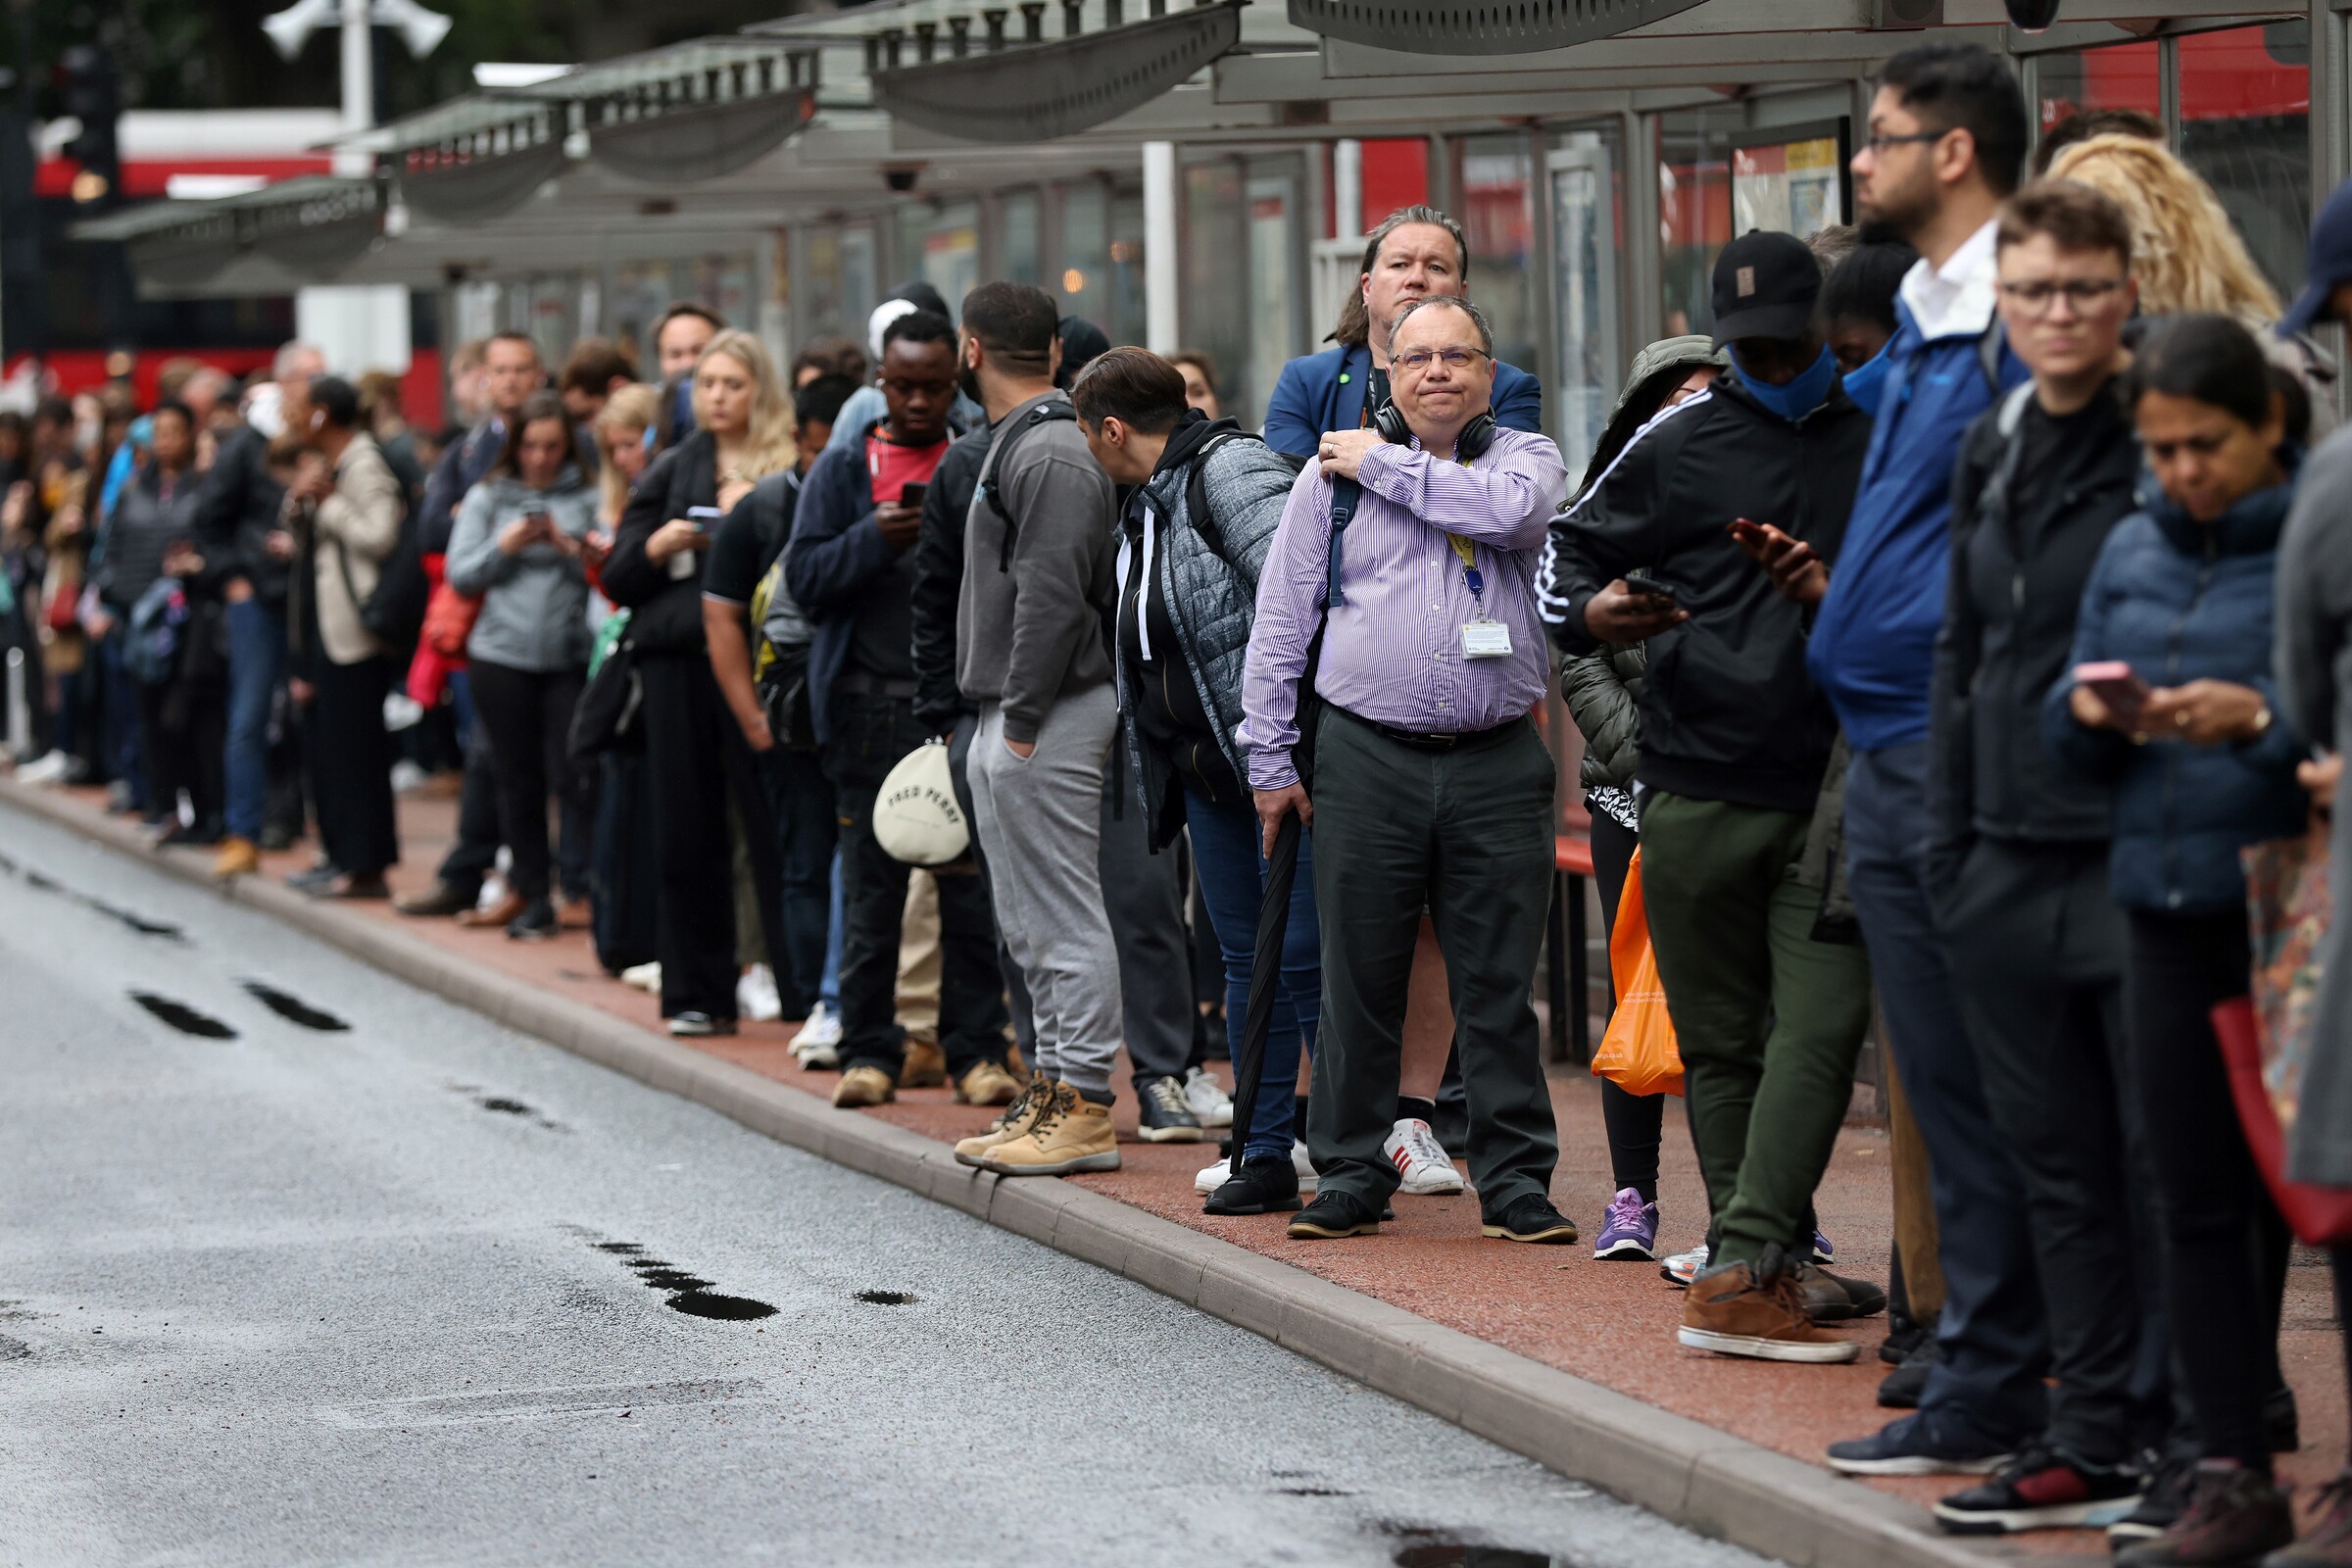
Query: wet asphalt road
x,y
380,1295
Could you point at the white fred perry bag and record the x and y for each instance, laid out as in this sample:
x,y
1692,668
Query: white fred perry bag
x,y
916,820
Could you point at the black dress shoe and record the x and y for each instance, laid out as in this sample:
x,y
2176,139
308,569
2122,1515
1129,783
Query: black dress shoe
x,y
440,899
1531,1218
1332,1215
317,877
1266,1184
1903,1388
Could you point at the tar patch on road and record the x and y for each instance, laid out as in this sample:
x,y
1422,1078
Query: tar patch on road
x,y
1423,1548
508,1105
536,1405
182,1017
687,1293
293,1008
887,1297
39,882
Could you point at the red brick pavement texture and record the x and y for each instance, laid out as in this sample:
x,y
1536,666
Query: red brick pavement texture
x,y
1610,1323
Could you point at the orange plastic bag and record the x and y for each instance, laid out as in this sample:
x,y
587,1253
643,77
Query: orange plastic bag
x,y
1639,1053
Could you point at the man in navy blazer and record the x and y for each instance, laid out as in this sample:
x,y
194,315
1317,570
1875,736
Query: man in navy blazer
x,y
1415,252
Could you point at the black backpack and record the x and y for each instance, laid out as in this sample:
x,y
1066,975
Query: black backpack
x,y
1043,413
394,609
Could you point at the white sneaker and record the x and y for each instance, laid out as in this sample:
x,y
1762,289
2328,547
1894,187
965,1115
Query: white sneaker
x,y
756,995
818,1044
408,775
1211,1105
644,976
1684,1267
48,768
1217,1176
1421,1161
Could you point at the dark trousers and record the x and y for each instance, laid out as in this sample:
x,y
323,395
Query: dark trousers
x,y
474,855
257,666
525,717
2037,948
800,799
2223,1234
1143,895
1465,832
1995,1350
870,734
1769,1020
350,753
1232,871
698,762
1635,1124
183,737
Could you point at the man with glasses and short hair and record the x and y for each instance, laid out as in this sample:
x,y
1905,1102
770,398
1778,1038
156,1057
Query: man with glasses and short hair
x,y
2020,860
1430,786
1947,140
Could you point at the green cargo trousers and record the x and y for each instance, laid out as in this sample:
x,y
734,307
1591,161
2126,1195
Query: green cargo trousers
x,y
1769,1021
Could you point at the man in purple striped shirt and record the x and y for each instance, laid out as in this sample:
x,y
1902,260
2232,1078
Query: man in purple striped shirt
x,y
1431,787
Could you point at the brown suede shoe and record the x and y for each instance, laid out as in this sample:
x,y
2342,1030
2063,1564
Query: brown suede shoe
x,y
501,913
925,1065
2329,1545
2234,1517
1760,1311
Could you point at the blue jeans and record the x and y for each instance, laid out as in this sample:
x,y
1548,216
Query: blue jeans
x,y
120,705
829,989
257,659
1225,852
1992,1331
801,800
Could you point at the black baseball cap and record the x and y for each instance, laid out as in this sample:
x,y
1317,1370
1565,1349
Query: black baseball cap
x,y
1766,285
2330,261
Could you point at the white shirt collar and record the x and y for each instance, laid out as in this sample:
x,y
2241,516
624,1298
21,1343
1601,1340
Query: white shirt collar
x,y
1957,298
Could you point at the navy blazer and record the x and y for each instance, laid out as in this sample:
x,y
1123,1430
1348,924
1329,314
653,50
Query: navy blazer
x,y
1325,391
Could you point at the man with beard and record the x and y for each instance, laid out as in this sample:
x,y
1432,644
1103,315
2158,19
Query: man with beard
x,y
1947,144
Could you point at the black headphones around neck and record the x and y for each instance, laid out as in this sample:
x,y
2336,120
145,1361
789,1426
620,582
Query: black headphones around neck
x,y
1476,436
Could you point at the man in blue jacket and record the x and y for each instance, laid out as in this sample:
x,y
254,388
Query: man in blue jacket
x,y
1946,145
850,567
1414,252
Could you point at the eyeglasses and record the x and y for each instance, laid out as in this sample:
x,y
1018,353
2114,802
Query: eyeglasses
x,y
2082,294
1419,360
1878,144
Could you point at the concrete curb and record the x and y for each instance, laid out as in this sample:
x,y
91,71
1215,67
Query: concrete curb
x,y
1687,1472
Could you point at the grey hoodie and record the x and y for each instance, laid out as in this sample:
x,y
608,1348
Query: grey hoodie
x,y
535,604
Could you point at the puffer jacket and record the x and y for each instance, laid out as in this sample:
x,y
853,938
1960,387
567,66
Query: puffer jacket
x,y
2181,600
534,613
1211,592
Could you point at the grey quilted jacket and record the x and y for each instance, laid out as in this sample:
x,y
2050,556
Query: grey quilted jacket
x,y
1212,593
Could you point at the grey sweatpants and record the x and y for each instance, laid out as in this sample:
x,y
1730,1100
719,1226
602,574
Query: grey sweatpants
x,y
1143,893
1039,824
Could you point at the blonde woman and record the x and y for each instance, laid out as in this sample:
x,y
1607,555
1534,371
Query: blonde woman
x,y
699,760
2185,254
620,430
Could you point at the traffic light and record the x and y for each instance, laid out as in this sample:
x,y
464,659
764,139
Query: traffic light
x,y
90,90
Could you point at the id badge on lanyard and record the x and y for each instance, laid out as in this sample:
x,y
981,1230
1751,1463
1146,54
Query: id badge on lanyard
x,y
1482,637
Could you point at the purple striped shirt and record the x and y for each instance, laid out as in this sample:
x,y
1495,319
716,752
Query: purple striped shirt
x,y
1393,652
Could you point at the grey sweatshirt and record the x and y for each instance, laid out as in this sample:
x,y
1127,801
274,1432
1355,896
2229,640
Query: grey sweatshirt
x,y
535,604
1030,635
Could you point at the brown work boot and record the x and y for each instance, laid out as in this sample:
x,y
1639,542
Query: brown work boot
x,y
502,914
987,1084
1018,1114
1071,1134
1756,1310
2234,1517
925,1065
864,1086
1017,1064
237,858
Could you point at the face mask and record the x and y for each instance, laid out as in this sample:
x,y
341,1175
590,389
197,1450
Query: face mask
x,y
1799,397
1866,385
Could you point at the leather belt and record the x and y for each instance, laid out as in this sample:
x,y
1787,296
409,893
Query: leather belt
x,y
1456,740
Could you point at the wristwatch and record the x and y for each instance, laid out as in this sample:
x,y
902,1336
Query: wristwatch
x,y
2262,723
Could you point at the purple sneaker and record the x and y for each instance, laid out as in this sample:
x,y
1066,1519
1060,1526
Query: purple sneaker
x,y
1823,1251
1630,1229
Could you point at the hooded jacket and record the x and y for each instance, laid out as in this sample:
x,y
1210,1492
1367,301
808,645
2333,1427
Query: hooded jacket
x,y
1726,710
1602,688
2181,601
534,611
1319,392
1197,584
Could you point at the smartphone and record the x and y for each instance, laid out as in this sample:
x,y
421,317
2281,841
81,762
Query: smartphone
x,y
2113,683
910,496
704,517
1636,583
539,519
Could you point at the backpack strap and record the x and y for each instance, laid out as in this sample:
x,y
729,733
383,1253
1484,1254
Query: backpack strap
x,y
1990,346
1196,510
1042,413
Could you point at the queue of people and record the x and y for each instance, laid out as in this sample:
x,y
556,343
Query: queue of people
x,y
1942,626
